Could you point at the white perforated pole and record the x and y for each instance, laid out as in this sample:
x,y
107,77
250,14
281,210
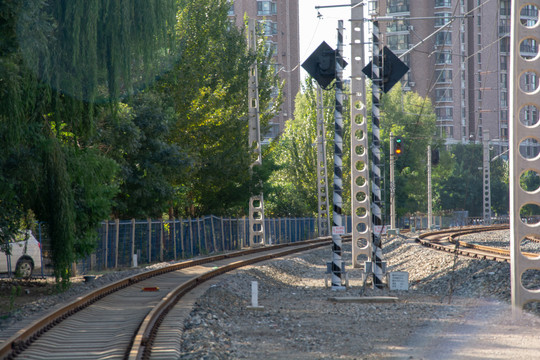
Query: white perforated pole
x,y
486,182
524,134
360,202
338,154
375,158
256,202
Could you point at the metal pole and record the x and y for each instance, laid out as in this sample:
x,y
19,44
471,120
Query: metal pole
x,y
360,201
392,183
338,154
322,176
256,202
486,184
377,67
429,200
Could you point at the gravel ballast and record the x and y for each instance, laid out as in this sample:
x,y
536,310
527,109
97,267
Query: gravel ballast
x,y
455,308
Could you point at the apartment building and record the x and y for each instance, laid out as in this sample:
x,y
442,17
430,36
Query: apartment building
x,y
280,23
463,67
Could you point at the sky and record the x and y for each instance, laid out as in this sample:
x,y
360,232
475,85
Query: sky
x,y
314,30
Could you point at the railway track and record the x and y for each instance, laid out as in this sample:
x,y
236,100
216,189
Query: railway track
x,y
121,320
447,240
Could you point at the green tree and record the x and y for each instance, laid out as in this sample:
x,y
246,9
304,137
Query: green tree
x,y
411,117
293,186
462,186
60,62
136,137
208,89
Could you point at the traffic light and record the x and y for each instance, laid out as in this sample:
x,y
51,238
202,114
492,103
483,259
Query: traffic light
x,y
434,157
398,145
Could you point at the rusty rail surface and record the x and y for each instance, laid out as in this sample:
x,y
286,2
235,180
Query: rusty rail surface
x,y
142,340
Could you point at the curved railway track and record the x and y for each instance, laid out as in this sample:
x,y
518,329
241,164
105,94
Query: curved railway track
x,y
447,240
121,320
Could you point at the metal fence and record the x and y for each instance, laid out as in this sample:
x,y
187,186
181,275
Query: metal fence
x,y
124,243
154,241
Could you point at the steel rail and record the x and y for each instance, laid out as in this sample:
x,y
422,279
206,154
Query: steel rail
x,y
436,240
143,340
21,340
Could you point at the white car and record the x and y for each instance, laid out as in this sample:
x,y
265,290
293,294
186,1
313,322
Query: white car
x,y
25,256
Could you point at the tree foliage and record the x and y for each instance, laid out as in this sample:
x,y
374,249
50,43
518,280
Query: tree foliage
x,y
208,89
60,62
292,189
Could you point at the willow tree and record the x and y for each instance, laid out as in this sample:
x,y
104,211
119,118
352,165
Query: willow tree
x,y
60,62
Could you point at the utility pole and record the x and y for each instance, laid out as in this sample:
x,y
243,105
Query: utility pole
x,y
392,183
486,183
338,228
523,70
256,203
429,191
377,83
322,183
360,201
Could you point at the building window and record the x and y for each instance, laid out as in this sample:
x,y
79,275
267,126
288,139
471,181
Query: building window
x,y
398,42
265,8
443,3
528,115
443,95
271,48
443,76
504,62
444,113
504,99
269,27
504,45
444,57
443,38
528,49
505,7
529,15
504,80
231,9
398,6
399,25
442,18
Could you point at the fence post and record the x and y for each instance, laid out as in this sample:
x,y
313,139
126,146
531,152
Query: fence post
x,y
149,240
199,234
161,240
222,235
213,232
191,237
116,240
231,247
106,244
174,237
132,252
182,238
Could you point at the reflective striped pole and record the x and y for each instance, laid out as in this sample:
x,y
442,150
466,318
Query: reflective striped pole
x,y
376,156
338,154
